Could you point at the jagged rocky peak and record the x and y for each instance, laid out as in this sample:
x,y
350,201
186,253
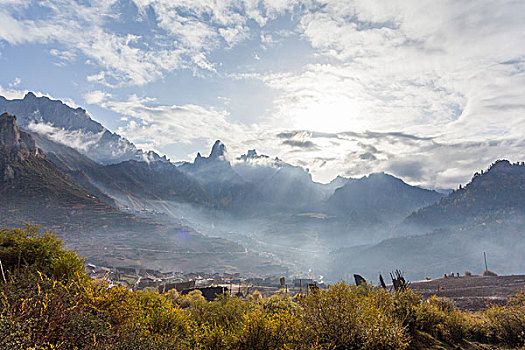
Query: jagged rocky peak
x,y
9,132
15,145
218,151
73,126
253,155
500,165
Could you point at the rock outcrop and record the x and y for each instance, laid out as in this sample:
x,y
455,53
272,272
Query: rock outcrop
x,y
15,145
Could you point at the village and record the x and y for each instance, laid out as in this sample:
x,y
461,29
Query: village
x,y
209,284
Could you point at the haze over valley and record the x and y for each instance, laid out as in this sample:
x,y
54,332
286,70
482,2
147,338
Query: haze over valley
x,y
252,213
307,139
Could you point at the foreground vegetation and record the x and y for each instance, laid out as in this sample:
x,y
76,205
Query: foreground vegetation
x,y
47,302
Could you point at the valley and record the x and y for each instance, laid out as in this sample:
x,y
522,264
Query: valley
x,y
251,214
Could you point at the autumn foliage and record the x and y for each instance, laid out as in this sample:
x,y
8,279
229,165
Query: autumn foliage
x,y
47,302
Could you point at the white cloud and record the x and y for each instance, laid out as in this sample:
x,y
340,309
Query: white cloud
x,y
450,72
63,56
96,97
453,71
160,125
15,82
182,35
75,139
11,94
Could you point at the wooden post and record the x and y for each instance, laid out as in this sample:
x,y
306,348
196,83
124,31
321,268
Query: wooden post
x,y
485,256
2,268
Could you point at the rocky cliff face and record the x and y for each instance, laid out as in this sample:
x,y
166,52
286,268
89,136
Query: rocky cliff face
x,y
15,145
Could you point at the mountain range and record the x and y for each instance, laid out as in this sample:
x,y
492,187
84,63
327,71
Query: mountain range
x,y
33,189
486,215
491,195
263,203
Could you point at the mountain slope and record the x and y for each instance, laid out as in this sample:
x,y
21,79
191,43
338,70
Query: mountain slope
x,y
379,196
487,215
140,180
491,195
277,184
33,188
438,252
153,180
74,127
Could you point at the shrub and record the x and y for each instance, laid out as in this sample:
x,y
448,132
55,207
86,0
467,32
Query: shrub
x,y
488,273
350,317
47,303
27,247
440,318
504,324
264,330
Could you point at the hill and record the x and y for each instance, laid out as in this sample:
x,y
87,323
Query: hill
x,y
437,252
491,195
127,181
381,197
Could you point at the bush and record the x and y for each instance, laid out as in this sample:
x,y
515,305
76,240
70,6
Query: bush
x,y
349,317
264,330
488,273
47,303
440,318
503,324
27,247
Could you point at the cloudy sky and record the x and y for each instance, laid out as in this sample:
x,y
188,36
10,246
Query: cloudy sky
x,y
430,91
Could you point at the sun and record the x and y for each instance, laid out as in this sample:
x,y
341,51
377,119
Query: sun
x,y
331,114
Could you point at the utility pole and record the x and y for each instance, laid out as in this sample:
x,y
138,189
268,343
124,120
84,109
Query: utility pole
x,y
485,257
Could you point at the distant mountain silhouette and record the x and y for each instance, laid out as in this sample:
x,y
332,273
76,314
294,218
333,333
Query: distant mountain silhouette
x,y
379,196
73,127
488,214
490,195
277,184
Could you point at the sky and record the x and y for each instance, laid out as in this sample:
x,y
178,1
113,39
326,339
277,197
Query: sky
x,y
430,91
